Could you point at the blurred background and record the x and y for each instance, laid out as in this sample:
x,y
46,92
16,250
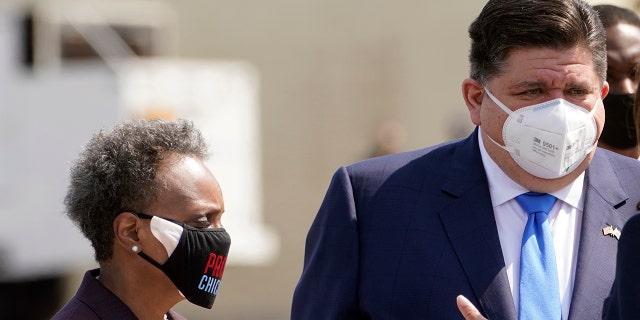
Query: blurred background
x,y
285,92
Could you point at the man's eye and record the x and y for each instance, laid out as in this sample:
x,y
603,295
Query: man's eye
x,y
531,92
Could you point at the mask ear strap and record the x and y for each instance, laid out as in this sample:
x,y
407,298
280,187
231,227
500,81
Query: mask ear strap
x,y
150,260
496,101
142,215
510,150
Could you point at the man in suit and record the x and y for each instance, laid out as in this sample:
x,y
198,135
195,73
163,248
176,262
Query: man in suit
x,y
402,236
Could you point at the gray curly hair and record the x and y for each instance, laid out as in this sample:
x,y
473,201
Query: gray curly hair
x,y
117,170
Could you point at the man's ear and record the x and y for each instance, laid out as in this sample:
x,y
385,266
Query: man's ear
x,y
473,94
605,90
125,228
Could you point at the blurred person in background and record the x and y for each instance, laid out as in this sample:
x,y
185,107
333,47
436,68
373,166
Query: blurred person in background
x,y
404,235
623,57
390,137
142,194
625,299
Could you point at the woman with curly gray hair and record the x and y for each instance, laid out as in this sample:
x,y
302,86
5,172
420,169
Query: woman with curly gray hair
x,y
142,194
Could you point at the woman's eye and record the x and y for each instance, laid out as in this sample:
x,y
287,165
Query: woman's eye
x,y
200,224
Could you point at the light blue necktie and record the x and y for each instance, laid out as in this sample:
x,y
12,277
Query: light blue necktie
x,y
539,293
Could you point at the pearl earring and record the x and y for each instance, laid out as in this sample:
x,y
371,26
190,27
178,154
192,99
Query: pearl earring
x,y
135,249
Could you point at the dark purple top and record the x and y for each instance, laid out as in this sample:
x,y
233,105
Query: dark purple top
x,y
94,301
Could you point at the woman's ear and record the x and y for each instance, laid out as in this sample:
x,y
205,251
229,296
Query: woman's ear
x,y
473,94
125,228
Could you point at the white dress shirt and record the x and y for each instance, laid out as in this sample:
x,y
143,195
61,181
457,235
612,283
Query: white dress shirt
x,y
565,220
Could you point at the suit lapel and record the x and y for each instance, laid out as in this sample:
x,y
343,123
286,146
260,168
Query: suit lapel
x,y
596,255
470,225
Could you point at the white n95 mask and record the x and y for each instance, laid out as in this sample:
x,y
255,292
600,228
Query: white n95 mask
x,y
550,139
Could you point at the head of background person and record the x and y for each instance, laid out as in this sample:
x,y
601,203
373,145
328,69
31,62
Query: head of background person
x,y
549,56
151,208
636,113
623,55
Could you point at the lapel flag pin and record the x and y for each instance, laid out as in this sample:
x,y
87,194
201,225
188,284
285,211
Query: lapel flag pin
x,y
611,231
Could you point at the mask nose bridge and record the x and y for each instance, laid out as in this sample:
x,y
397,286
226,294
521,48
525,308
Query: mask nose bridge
x,y
587,113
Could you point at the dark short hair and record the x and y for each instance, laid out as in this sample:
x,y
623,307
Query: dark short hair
x,y
611,15
505,25
117,170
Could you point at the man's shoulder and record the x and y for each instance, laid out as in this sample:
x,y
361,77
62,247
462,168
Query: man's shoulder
x,y
616,159
410,169
392,162
608,168
406,156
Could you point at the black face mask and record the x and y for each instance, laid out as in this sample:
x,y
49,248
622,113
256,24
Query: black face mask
x,y
619,125
197,263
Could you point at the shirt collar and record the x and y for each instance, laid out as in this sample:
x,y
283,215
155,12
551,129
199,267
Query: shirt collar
x,y
502,188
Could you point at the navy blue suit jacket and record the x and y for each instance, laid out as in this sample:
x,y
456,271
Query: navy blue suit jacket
x,y
400,236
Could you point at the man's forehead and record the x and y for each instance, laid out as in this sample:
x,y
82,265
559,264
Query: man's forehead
x,y
565,55
531,67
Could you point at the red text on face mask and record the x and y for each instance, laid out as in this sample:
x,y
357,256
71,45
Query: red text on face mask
x,y
215,266
216,263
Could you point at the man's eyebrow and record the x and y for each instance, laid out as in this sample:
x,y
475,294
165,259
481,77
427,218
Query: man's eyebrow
x,y
578,84
542,84
528,84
